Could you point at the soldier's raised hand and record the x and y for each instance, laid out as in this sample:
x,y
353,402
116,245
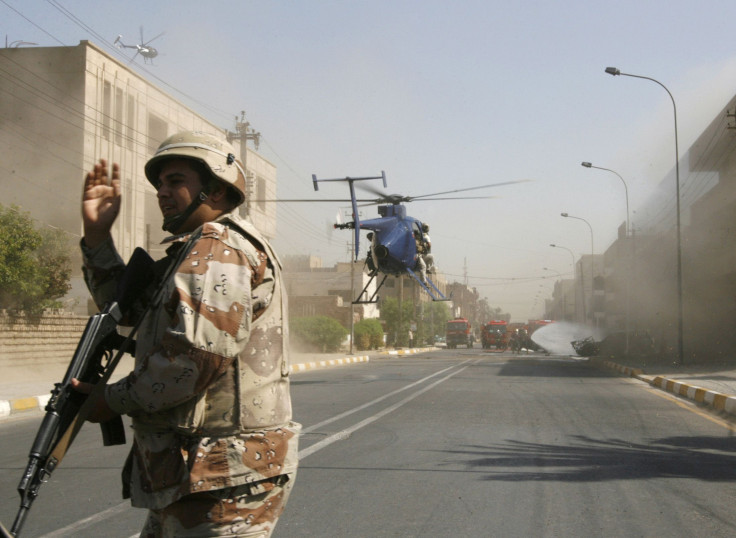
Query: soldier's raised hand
x,y
100,202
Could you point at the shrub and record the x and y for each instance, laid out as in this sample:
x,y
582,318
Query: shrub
x,y
35,266
368,334
321,333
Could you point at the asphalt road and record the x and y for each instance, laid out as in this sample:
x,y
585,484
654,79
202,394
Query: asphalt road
x,y
450,443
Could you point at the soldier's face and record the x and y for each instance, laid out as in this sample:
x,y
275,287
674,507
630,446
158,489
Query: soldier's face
x,y
179,184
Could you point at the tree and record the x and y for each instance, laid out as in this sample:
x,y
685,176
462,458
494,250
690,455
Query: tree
x,y
368,334
436,320
399,335
487,313
35,267
321,333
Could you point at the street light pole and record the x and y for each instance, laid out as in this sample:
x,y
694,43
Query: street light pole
x,y
680,352
626,189
582,285
592,266
628,231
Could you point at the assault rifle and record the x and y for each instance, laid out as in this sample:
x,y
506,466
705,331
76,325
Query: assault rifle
x,y
93,362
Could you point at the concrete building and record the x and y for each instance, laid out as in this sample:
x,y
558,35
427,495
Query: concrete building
x,y
562,305
314,290
636,285
708,249
63,108
582,298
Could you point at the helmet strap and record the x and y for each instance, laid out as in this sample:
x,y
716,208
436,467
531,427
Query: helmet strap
x,y
173,223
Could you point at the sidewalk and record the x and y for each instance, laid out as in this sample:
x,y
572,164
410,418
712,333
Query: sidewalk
x,y
29,388
709,384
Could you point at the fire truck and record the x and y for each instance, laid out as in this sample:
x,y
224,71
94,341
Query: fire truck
x,y
494,334
457,333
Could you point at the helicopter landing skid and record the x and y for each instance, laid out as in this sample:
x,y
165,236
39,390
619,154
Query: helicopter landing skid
x,y
438,297
374,298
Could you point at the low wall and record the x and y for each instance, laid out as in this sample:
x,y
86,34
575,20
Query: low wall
x,y
49,340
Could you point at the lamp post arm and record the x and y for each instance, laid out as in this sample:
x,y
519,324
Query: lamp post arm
x,y
626,191
592,250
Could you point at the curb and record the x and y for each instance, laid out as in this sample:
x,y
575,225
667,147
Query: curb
x,y
410,351
294,368
20,405
401,352
626,370
711,398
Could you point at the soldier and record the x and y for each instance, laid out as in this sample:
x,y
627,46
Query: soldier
x,y
428,258
215,450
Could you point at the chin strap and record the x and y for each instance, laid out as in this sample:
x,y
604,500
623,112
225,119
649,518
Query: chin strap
x,y
173,223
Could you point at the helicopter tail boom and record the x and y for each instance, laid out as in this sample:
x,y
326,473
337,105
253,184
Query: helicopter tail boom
x,y
353,201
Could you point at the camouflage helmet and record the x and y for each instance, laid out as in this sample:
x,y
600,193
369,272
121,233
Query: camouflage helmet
x,y
216,154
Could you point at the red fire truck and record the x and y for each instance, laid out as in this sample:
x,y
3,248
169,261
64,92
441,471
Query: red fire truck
x,y
494,334
457,333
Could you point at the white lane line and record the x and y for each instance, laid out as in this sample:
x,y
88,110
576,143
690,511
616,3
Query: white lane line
x,y
70,530
346,432
377,400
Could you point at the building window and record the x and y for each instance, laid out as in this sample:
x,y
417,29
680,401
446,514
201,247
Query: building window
x,y
106,110
130,122
157,131
261,193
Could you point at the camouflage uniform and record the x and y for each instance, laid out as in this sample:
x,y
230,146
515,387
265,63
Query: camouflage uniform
x,y
215,450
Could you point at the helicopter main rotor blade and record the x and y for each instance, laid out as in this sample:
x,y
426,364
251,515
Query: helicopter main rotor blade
x,y
456,198
306,200
368,188
150,40
397,198
412,198
387,201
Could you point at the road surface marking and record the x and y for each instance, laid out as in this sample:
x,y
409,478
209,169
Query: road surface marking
x,y
355,427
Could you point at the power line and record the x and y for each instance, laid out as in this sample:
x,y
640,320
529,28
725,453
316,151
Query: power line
x,y
31,22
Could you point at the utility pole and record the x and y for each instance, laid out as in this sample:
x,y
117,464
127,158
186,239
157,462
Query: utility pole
x,y
352,291
399,330
465,289
244,132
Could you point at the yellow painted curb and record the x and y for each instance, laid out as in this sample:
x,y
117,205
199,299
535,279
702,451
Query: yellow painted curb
x,y
24,404
302,367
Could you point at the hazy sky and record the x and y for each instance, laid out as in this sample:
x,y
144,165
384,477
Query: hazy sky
x,y
440,95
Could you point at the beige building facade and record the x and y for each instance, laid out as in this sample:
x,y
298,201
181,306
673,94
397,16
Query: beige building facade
x,y
314,290
62,109
636,286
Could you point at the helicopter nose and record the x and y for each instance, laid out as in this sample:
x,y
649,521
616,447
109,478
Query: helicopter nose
x,y
381,252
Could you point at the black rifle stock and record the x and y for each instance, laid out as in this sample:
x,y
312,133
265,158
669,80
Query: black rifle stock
x,y
92,362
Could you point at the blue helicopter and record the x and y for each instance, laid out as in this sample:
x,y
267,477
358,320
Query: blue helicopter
x,y
399,243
